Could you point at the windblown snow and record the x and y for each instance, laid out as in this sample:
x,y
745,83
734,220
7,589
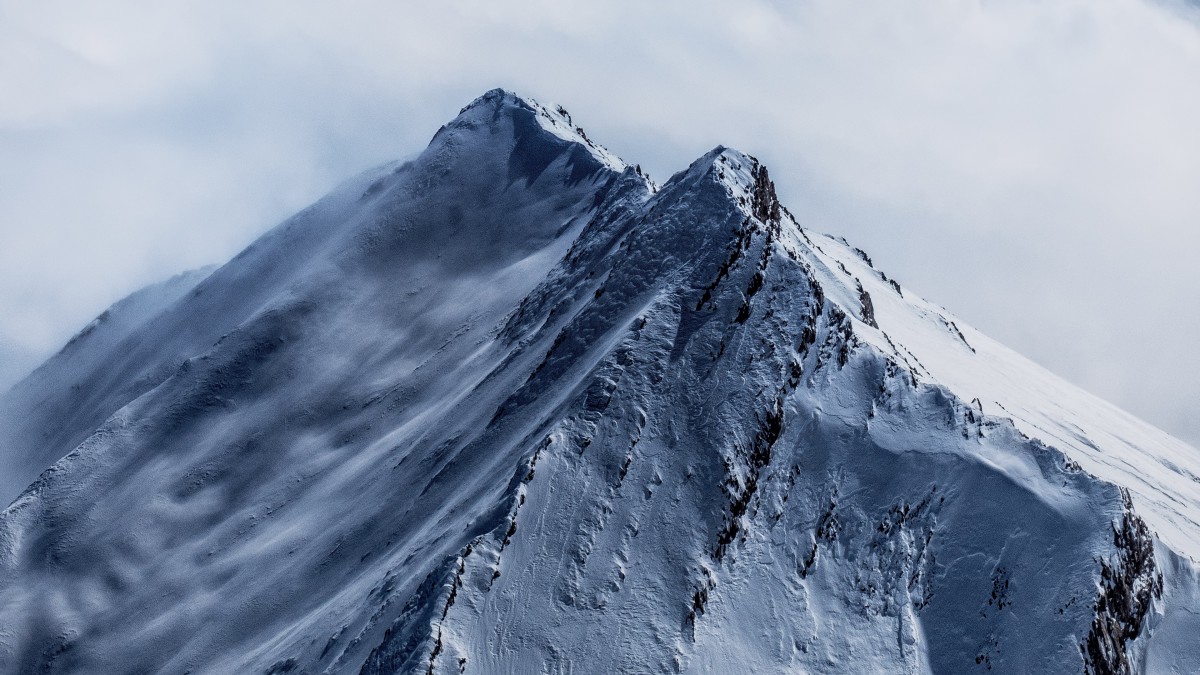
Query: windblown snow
x,y
511,407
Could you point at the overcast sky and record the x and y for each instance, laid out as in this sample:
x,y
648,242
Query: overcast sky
x,y
1033,165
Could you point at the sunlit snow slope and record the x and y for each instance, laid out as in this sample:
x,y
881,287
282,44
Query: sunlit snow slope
x,y
511,407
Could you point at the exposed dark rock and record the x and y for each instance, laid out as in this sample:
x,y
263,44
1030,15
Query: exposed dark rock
x,y
742,492
868,307
953,328
863,255
1129,584
764,202
827,530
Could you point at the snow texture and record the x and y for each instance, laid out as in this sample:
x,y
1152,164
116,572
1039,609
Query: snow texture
x,y
511,407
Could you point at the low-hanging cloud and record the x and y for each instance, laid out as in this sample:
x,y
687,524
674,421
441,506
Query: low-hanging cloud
x,y
1031,165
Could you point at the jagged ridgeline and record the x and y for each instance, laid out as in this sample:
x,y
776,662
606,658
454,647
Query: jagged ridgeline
x,y
512,406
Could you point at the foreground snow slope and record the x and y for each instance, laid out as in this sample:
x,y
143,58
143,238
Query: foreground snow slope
x,y
511,407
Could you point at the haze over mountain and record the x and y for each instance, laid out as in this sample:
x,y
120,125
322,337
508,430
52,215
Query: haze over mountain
x,y
16,361
512,406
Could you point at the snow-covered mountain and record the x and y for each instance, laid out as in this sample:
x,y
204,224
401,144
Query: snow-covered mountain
x,y
511,407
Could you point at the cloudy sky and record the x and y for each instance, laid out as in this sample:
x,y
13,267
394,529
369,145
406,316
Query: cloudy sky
x,y
1033,165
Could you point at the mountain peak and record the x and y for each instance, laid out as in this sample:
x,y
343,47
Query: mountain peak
x,y
492,103
750,183
744,177
502,405
529,117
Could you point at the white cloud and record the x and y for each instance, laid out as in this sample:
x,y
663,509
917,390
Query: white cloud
x,y
1030,164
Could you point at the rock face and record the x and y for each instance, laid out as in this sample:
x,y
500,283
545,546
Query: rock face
x,y
512,407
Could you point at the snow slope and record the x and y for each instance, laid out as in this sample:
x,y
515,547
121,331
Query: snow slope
x,y
50,412
512,407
